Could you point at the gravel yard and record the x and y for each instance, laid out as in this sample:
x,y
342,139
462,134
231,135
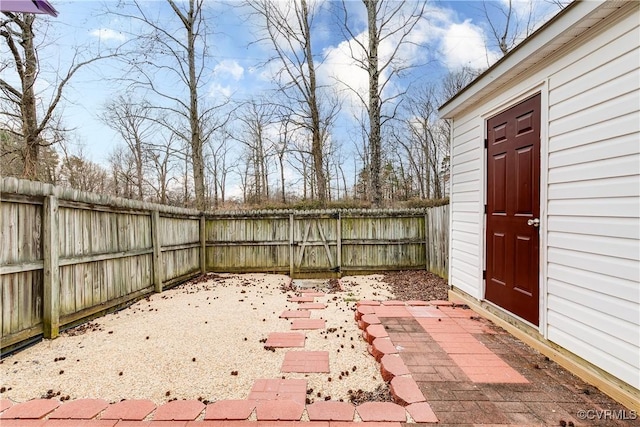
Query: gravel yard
x,y
202,340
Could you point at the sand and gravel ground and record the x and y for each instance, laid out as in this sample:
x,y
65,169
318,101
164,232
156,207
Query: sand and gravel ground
x,y
185,342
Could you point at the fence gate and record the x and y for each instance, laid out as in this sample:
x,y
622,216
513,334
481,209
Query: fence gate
x,y
315,243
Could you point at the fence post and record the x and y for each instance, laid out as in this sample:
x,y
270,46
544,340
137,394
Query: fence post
x,y
157,253
51,293
426,242
203,244
291,251
339,244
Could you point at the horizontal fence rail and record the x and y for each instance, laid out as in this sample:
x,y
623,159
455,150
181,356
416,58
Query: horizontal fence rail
x,y
66,255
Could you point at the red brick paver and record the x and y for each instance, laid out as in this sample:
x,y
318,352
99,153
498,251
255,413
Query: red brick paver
x,y
83,423
364,309
285,339
312,306
478,362
230,410
153,423
406,391
306,361
422,413
129,410
179,410
440,303
494,375
368,319
373,332
301,299
444,326
391,311
274,389
382,346
417,302
392,365
331,410
80,409
393,302
313,294
295,314
368,424
5,404
298,324
381,411
367,302
454,312
425,311
274,410
22,423
33,409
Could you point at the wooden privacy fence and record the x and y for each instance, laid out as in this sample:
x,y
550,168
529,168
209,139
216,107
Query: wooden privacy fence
x,y
66,255
308,243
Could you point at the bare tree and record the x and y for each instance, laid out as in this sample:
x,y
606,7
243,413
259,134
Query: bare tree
x,y
512,21
122,172
162,158
454,81
132,120
301,161
220,163
78,172
171,63
504,35
422,144
288,26
30,115
282,148
255,120
362,163
388,21
422,140
184,158
12,159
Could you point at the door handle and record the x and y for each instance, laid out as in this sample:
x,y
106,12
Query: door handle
x,y
534,222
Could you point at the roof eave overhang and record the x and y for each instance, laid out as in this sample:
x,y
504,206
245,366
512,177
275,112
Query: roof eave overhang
x,y
563,28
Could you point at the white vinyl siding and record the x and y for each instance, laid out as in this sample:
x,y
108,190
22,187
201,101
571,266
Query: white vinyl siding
x,y
593,235
590,234
466,199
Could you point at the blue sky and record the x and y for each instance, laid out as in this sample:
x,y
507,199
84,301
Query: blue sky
x,y
454,34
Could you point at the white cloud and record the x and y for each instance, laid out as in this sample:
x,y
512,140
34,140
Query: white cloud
x,y
340,68
108,34
464,45
339,65
217,89
229,68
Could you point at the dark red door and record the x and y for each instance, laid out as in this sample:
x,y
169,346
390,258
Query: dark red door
x,y
513,209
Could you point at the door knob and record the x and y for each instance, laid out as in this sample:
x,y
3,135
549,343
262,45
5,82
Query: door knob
x,y
534,222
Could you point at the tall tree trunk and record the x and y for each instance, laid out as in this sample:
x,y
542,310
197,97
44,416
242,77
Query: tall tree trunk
x,y
139,163
28,106
194,117
374,103
427,156
282,184
304,179
316,139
